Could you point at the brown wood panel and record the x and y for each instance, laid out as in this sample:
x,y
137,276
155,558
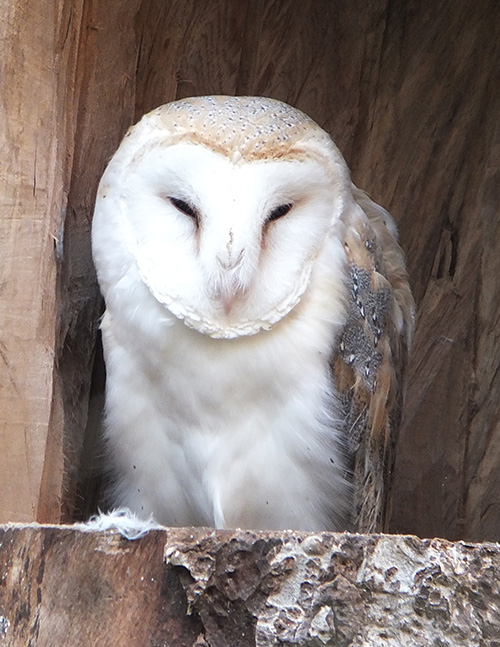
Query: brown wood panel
x,y
409,91
187,48
315,55
64,587
481,477
67,97
37,52
426,158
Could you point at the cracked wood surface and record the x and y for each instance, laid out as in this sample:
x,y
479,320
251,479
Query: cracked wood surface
x,y
204,588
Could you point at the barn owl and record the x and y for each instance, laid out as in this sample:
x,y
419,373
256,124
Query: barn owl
x,y
257,321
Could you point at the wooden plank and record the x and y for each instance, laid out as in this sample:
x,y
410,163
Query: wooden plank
x,y
481,478
37,47
64,587
196,587
310,54
68,97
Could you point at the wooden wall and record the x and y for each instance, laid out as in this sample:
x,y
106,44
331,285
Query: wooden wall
x,y
410,92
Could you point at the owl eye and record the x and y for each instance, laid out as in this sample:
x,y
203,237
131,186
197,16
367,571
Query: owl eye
x,y
279,211
183,207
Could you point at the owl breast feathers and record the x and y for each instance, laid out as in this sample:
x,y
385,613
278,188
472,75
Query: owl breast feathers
x,y
258,316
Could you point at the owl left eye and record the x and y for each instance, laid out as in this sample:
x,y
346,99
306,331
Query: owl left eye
x,y
279,212
183,207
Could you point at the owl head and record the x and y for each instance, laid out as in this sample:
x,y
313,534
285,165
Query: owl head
x,y
220,206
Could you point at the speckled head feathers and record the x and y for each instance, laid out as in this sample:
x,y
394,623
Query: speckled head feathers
x,y
248,127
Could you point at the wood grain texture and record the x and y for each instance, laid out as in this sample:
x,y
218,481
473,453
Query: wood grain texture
x,y
64,587
411,94
313,55
103,110
187,48
433,135
196,587
38,50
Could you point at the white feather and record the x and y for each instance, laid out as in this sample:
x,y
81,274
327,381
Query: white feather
x,y
123,521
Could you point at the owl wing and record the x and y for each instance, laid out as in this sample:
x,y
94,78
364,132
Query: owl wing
x,y
370,359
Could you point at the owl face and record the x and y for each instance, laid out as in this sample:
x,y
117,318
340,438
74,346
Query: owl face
x,y
225,242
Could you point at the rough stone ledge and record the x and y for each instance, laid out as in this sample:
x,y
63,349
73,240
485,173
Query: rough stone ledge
x,y
205,588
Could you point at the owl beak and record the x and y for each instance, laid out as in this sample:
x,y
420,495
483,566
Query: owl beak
x,y
228,295
226,267
229,292
228,301
230,288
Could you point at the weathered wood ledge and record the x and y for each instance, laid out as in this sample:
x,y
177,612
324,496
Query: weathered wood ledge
x,y
60,585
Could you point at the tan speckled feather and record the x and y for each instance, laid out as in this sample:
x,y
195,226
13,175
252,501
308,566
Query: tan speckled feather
x,y
372,355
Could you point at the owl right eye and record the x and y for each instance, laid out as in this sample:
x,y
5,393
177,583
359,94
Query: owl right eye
x,y
279,212
183,207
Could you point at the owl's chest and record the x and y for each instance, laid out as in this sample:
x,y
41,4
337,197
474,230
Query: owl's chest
x,y
248,426
238,432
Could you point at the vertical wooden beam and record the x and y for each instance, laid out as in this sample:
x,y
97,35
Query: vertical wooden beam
x,y
38,54
481,476
68,88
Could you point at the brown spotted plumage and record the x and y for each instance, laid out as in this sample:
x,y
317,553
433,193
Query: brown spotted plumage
x,y
371,356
